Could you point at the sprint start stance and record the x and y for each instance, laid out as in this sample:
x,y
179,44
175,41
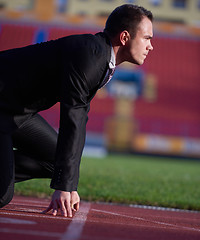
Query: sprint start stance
x,y
69,70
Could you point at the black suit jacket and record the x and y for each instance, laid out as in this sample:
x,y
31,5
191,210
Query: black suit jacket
x,y
68,70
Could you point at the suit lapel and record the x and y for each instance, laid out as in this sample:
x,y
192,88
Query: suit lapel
x,y
103,38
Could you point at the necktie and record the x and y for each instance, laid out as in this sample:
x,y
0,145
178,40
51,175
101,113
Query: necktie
x,y
108,77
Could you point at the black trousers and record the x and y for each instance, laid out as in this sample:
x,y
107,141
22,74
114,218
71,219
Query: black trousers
x,y
34,144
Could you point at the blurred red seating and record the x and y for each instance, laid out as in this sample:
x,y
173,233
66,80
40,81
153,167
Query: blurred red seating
x,y
14,36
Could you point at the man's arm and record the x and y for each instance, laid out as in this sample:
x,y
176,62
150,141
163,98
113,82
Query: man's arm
x,y
83,74
74,108
70,145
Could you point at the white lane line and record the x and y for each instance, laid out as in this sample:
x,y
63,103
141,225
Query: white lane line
x,y
20,209
35,216
27,199
163,208
150,221
29,204
28,210
30,232
75,228
15,221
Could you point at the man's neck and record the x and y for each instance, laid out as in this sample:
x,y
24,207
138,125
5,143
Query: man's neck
x,y
116,47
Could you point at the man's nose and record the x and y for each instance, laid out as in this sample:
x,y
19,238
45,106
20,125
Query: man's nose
x,y
150,47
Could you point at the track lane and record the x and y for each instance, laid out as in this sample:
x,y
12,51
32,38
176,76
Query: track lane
x,y
22,219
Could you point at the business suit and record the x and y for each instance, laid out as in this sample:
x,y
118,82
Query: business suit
x,y
68,70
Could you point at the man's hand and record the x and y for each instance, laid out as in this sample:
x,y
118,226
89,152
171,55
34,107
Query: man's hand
x,y
66,201
75,201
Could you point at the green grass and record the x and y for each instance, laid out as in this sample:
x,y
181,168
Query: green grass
x,y
132,180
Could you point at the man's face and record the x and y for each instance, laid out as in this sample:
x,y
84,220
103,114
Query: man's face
x,y
138,48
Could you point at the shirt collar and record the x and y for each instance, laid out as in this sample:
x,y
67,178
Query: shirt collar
x,y
112,62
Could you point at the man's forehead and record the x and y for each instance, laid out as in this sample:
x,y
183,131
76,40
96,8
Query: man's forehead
x,y
145,27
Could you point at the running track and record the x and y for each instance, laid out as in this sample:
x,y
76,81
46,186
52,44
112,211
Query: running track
x,y
22,219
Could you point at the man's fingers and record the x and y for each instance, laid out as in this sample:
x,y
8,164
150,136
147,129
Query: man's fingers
x,y
55,212
48,209
69,210
63,209
75,201
75,206
65,201
55,208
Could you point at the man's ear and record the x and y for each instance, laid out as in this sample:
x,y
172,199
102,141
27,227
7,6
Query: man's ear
x,y
124,37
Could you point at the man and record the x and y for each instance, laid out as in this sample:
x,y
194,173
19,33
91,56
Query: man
x,y
68,70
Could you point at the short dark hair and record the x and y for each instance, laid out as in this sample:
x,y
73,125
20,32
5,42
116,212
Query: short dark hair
x,y
126,17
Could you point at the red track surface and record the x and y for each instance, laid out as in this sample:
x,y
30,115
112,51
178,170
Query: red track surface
x,y
22,219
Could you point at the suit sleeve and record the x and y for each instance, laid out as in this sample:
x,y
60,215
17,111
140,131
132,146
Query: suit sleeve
x,y
75,104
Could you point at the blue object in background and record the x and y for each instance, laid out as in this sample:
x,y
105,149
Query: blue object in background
x,y
129,77
62,6
41,35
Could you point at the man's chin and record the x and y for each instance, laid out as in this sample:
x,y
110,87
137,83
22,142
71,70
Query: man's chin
x,y
139,62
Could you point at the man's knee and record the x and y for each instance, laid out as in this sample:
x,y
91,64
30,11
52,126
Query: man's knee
x,y
7,196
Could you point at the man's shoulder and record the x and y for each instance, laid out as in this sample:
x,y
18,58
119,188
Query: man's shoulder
x,y
85,40
86,45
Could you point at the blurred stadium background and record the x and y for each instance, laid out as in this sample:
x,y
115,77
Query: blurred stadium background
x,y
151,109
